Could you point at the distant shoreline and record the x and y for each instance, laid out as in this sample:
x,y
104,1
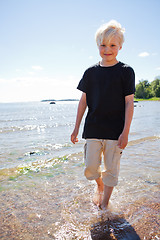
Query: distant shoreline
x,y
149,99
61,100
74,100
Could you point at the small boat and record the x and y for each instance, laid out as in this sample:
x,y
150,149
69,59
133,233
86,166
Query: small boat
x,y
52,103
135,103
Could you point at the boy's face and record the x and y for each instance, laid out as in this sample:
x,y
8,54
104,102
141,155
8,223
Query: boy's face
x,y
109,50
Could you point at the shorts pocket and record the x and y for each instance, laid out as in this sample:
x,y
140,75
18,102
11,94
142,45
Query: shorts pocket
x,y
116,162
119,150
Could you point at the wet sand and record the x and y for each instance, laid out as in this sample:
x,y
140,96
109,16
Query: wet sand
x,y
37,215
37,206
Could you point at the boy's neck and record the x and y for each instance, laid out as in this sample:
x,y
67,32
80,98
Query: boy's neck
x,y
108,64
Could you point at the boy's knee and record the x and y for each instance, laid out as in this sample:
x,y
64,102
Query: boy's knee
x,y
109,179
92,174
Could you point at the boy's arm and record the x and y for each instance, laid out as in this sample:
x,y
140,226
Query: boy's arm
x,y
80,112
129,108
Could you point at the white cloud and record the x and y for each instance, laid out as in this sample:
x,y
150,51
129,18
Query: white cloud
x,y
158,68
32,88
143,54
2,80
37,68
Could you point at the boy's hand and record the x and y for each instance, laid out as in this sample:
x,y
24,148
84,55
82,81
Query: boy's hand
x,y
122,140
74,138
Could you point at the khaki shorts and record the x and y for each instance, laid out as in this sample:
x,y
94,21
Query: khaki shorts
x,y
93,151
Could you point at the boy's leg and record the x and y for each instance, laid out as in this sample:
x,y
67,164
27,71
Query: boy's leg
x,y
98,196
112,155
107,194
92,157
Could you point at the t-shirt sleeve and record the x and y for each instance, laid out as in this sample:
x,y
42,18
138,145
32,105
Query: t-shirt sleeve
x,y
129,81
83,84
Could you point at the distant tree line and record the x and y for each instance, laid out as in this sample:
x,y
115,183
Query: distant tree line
x,y
146,90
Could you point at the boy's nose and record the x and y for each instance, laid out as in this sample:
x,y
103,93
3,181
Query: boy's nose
x,y
106,49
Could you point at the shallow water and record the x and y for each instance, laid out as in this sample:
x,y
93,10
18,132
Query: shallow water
x,y
44,194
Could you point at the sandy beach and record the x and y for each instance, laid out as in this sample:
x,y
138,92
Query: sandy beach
x,y
34,207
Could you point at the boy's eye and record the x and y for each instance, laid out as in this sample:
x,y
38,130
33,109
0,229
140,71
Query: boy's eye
x,y
112,45
103,45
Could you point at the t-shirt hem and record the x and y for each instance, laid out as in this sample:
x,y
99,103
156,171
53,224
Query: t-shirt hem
x,y
104,138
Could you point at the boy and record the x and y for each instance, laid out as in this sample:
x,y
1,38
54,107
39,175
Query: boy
x,y
108,90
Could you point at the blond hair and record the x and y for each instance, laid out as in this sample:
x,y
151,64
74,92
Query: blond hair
x,y
108,30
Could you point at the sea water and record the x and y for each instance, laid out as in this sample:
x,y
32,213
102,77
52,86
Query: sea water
x,y
44,194
37,129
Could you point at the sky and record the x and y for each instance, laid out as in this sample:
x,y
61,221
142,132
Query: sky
x,y
46,45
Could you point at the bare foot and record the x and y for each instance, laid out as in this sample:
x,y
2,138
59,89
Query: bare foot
x,y
103,206
98,197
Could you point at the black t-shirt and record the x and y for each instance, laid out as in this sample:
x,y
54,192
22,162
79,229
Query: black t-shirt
x,y
106,88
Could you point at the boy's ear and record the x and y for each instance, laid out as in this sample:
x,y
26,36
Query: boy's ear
x,y
120,48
